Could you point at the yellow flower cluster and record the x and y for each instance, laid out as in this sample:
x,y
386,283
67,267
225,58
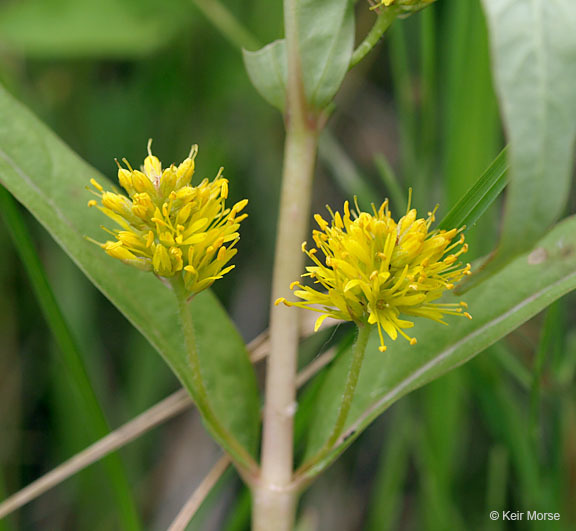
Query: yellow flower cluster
x,y
377,271
169,226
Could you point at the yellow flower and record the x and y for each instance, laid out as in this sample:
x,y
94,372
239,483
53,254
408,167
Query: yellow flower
x,y
377,271
169,226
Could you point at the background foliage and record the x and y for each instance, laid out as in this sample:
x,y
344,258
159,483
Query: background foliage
x,y
497,433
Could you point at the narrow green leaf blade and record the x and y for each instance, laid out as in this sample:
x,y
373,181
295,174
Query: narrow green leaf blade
x,y
50,180
534,55
503,302
478,198
93,414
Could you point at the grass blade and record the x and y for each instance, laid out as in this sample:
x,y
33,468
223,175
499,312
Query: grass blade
x,y
386,506
398,196
71,355
504,415
478,198
549,332
344,171
498,465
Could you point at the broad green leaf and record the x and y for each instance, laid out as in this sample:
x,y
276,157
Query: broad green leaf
x,y
479,197
83,28
326,41
503,302
50,180
534,55
267,70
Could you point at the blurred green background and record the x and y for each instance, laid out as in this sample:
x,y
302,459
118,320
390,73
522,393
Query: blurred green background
x,y
498,433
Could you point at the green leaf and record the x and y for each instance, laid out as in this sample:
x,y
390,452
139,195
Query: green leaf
x,y
267,70
479,197
503,302
534,54
83,28
326,29
50,180
326,41
470,120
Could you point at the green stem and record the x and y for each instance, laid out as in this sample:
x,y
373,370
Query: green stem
x,y
274,501
346,403
242,458
380,26
228,25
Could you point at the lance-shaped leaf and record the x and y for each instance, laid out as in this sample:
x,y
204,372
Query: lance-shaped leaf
x,y
498,306
534,55
50,180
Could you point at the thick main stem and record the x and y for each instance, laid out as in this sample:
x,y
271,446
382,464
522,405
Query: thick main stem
x,y
274,501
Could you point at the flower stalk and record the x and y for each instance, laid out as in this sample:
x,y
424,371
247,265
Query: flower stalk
x,y
349,391
242,458
382,23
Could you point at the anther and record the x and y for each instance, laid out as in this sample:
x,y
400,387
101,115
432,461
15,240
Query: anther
x,y
96,185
